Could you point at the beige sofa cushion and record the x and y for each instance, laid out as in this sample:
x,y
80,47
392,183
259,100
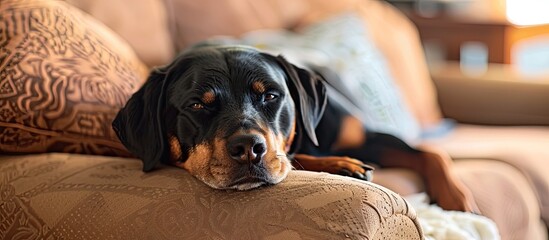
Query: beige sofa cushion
x,y
501,191
500,96
63,77
68,196
143,23
504,195
199,20
526,148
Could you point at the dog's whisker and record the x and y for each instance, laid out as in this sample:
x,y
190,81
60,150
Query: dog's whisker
x,y
296,161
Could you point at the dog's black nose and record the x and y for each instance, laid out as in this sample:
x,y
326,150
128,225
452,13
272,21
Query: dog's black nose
x,y
247,148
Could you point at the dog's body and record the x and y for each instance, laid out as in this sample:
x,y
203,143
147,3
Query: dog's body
x,y
235,118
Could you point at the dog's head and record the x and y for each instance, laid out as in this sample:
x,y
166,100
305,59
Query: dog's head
x,y
227,114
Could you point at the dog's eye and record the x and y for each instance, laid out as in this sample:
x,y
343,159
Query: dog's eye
x,y
269,97
197,106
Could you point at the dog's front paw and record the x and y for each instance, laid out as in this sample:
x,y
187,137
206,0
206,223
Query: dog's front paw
x,y
354,168
337,165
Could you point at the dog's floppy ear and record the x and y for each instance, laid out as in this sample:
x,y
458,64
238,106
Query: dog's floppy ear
x,y
308,91
139,125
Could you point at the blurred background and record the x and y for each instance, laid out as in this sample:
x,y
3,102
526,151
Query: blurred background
x,y
505,37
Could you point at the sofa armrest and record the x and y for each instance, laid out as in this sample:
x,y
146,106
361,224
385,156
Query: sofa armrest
x,y
81,196
500,96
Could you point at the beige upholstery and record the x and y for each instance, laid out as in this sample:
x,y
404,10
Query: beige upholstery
x,y
525,148
68,196
503,193
513,99
143,23
232,18
509,191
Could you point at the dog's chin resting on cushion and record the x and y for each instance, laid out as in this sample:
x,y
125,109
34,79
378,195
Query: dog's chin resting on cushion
x,y
234,117
226,114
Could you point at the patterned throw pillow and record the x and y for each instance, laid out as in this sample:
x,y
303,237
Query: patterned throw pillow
x,y
63,77
365,75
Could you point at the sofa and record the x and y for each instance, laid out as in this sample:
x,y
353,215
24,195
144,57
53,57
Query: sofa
x,y
65,175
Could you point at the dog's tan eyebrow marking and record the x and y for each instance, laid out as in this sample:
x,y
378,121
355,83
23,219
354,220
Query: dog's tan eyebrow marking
x,y
258,87
208,97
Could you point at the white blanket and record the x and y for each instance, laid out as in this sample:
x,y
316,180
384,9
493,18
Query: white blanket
x,y
452,225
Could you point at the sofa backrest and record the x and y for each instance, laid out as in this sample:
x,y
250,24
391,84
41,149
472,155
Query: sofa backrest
x,y
157,30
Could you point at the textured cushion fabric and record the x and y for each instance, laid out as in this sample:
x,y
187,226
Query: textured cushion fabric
x,y
525,148
69,196
63,77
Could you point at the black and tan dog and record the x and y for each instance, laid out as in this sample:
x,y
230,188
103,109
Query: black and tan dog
x,y
236,118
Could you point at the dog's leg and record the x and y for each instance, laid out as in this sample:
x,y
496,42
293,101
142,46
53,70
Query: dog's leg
x,y
334,164
442,185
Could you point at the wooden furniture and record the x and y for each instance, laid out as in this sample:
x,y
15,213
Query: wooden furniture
x,y
499,36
